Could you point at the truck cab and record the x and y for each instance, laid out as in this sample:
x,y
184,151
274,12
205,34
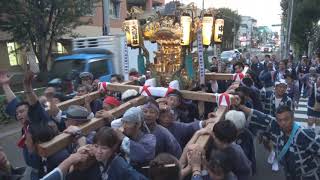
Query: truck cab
x,y
100,65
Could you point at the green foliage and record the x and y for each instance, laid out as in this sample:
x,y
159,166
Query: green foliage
x,y
306,14
37,24
232,21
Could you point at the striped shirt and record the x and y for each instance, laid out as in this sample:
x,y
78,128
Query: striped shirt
x,y
302,159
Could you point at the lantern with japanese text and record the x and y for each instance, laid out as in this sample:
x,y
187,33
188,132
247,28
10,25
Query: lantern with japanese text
x,y
218,30
132,32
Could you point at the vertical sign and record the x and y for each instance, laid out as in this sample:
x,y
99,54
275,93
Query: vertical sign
x,y
200,57
218,30
126,62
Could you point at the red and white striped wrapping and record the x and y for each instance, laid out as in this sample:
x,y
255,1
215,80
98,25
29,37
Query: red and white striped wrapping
x,y
148,89
103,86
223,99
238,76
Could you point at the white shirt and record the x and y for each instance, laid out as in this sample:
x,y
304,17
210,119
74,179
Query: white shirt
x,y
277,102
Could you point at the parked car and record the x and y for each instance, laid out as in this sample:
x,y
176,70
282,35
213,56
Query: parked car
x,y
228,56
268,48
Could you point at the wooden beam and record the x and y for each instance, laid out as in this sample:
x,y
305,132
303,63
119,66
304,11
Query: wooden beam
x,y
203,140
63,140
223,76
219,76
80,100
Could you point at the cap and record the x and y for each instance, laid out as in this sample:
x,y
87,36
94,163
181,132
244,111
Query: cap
x,y
86,74
111,101
237,117
133,115
128,94
281,81
77,113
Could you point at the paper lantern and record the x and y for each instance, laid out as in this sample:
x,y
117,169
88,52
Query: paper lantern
x,y
207,28
218,30
186,29
132,32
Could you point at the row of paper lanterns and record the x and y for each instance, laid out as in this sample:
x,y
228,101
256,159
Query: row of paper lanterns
x,y
208,23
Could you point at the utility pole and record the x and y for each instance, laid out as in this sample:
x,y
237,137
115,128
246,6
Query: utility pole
x,y
289,28
202,4
106,20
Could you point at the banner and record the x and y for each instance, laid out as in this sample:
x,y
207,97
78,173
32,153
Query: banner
x,y
126,62
200,57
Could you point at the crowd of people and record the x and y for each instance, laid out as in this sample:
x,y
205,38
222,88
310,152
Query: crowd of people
x,y
158,140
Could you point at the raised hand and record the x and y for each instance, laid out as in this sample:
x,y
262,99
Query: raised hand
x,y
28,77
4,77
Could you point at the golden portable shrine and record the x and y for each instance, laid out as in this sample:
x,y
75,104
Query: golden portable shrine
x,y
175,33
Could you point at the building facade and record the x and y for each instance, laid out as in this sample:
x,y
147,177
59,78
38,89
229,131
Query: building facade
x,y
12,58
247,34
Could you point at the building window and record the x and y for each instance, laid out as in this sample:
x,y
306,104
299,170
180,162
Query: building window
x,y
114,8
13,55
61,49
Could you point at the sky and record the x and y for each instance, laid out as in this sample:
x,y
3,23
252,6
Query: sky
x,y
266,12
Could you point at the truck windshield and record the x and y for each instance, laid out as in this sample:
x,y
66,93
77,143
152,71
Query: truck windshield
x,y
63,69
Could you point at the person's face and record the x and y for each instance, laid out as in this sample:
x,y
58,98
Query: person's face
x,y
281,89
22,114
130,129
282,66
49,92
173,101
86,81
216,173
270,66
114,80
29,143
166,119
150,115
82,91
273,57
289,80
285,121
107,107
214,61
238,69
95,84
56,100
267,59
318,81
103,153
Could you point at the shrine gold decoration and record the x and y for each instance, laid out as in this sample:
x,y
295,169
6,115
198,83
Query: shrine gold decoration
x,y
173,34
186,29
207,29
218,30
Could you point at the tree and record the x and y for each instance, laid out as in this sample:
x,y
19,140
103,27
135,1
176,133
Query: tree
x,y
306,14
37,24
232,22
